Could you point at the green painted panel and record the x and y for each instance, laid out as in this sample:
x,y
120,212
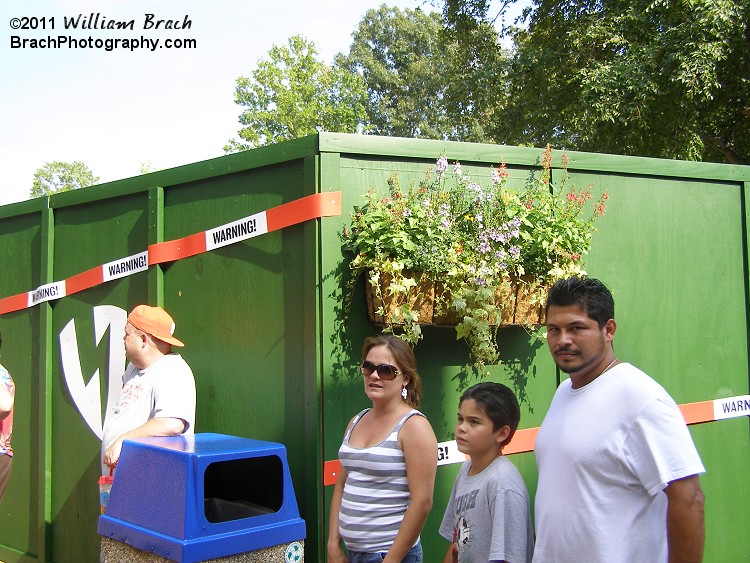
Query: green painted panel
x,y
20,334
386,149
87,235
247,314
672,252
670,248
441,359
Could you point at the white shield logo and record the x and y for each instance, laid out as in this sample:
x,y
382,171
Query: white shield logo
x,y
87,396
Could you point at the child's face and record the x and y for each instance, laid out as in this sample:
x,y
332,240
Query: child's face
x,y
474,433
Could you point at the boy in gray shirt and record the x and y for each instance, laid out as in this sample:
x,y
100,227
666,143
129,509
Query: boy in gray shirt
x,y
487,517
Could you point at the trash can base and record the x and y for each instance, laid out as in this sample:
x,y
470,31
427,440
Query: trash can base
x,y
114,551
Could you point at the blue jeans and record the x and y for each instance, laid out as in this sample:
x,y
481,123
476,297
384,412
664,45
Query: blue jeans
x,y
414,555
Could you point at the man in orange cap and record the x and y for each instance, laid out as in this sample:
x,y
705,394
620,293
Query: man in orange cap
x,y
158,388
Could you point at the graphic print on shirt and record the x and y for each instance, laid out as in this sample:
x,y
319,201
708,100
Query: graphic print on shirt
x,y
130,394
462,532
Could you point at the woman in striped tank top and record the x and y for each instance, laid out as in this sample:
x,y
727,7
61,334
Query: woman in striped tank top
x,y
383,491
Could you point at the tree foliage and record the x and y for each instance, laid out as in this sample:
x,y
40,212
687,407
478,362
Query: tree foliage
x,y
400,57
420,81
59,176
661,78
292,94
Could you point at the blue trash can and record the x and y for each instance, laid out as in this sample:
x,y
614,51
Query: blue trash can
x,y
207,496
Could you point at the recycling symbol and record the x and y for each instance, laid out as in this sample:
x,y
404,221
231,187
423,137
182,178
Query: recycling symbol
x,y
293,553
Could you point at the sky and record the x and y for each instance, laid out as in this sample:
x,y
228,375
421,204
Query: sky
x,y
119,110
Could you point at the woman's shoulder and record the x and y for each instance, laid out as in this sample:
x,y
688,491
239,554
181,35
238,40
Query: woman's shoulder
x,y
356,418
411,413
416,423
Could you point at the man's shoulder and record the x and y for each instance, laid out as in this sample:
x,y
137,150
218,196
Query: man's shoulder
x,y
172,360
171,367
638,380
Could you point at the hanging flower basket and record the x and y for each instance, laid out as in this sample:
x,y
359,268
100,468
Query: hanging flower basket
x,y
521,302
477,256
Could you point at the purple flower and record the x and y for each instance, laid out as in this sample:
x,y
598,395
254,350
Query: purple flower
x,y
514,251
441,165
457,169
407,212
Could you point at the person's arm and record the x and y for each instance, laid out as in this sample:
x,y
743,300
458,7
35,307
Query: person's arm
x,y
420,454
451,554
686,531
335,553
6,402
154,427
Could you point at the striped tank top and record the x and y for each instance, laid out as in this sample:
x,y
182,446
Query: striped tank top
x,y
376,492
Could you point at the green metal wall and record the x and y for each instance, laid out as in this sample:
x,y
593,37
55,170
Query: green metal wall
x,y
22,512
275,357
672,247
247,313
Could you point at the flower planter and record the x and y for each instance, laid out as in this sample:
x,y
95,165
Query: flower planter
x,y
520,308
477,232
422,300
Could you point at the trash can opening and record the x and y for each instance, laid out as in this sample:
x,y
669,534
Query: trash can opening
x,y
242,488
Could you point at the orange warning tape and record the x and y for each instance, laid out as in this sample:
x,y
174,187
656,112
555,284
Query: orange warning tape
x,y
523,440
314,206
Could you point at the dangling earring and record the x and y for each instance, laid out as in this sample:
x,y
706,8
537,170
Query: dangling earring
x,y
403,393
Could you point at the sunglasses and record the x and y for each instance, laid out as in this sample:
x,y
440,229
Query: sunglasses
x,y
385,371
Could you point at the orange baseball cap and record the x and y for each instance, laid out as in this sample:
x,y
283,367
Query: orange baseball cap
x,y
154,321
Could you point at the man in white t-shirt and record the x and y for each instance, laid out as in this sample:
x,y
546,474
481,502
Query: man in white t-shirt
x,y
158,392
618,470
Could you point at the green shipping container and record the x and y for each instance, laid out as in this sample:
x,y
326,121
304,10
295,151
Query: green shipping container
x,y
262,318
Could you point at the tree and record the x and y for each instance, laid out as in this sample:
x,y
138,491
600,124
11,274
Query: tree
x,y
420,81
59,176
293,94
660,78
146,167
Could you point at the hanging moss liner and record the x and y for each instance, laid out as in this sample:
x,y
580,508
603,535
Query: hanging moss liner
x,y
521,305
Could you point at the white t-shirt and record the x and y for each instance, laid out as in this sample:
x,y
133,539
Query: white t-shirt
x,y
605,452
165,389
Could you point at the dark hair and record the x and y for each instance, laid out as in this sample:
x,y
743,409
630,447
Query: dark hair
x,y
497,402
591,294
405,361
